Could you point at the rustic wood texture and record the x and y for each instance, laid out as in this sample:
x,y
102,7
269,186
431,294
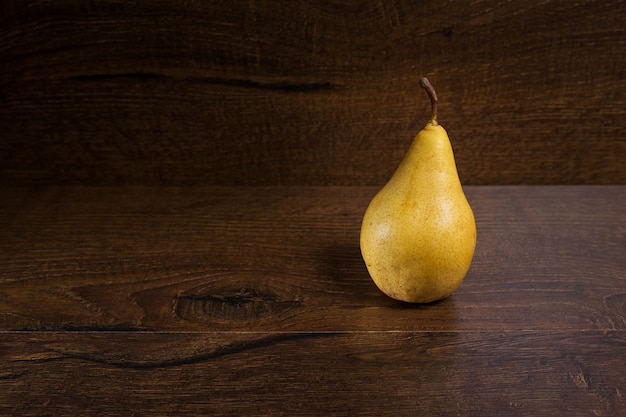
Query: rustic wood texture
x,y
287,259
308,92
182,185
255,301
557,373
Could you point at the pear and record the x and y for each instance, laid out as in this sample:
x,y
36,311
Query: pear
x,y
418,233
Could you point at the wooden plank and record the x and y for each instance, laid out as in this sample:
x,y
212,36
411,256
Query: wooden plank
x,y
513,373
287,259
308,93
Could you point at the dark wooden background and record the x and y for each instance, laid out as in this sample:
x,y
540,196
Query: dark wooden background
x,y
182,184
308,92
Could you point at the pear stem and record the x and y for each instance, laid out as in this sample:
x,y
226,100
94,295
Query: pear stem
x,y
426,85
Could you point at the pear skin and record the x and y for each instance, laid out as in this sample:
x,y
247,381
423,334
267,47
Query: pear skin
x,y
418,233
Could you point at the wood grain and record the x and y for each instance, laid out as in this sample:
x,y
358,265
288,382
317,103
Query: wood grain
x,y
255,301
182,184
308,92
573,373
287,259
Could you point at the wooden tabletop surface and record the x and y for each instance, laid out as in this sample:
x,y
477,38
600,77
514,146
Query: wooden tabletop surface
x,y
255,301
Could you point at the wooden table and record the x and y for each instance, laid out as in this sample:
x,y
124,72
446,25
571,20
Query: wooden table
x,y
255,301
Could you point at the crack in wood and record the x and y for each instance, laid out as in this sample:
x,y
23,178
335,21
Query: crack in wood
x,y
270,85
239,304
12,375
218,352
283,85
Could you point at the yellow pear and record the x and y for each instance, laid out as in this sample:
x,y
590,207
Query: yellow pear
x,y
418,233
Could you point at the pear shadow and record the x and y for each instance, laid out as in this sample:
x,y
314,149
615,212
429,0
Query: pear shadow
x,y
342,266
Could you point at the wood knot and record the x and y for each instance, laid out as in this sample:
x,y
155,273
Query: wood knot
x,y
234,303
